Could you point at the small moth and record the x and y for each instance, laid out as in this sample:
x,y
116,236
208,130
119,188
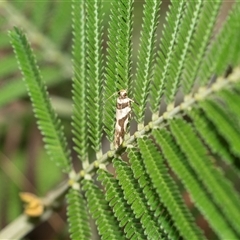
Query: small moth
x,y
123,111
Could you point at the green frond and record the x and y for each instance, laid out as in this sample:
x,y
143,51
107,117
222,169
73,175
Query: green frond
x,y
48,122
216,184
122,211
94,72
219,56
106,223
231,100
78,218
210,136
183,47
110,87
146,57
79,119
124,45
228,47
200,43
221,119
235,58
165,56
166,189
177,161
136,199
154,202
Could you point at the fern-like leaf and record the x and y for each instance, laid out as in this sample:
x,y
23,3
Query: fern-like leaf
x,y
79,80
124,45
136,199
78,218
167,190
210,136
161,214
168,41
218,57
106,223
181,167
122,211
48,122
228,46
235,58
220,118
94,72
111,73
231,100
200,43
182,49
146,56
202,165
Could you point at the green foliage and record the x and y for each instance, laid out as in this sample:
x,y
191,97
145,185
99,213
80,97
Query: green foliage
x,y
165,56
200,43
77,215
106,223
226,127
110,75
48,122
167,190
225,55
136,199
231,100
122,211
79,80
222,50
187,29
124,45
189,150
217,185
162,216
178,162
146,56
210,136
235,58
94,77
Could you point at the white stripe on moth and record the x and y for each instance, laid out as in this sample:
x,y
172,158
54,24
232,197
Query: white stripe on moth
x,y
123,111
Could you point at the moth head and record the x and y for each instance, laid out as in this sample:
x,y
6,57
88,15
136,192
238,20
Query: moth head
x,y
122,94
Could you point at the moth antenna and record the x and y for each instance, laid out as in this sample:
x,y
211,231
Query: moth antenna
x,y
111,96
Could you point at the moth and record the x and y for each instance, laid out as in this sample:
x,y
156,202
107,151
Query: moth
x,y
123,112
